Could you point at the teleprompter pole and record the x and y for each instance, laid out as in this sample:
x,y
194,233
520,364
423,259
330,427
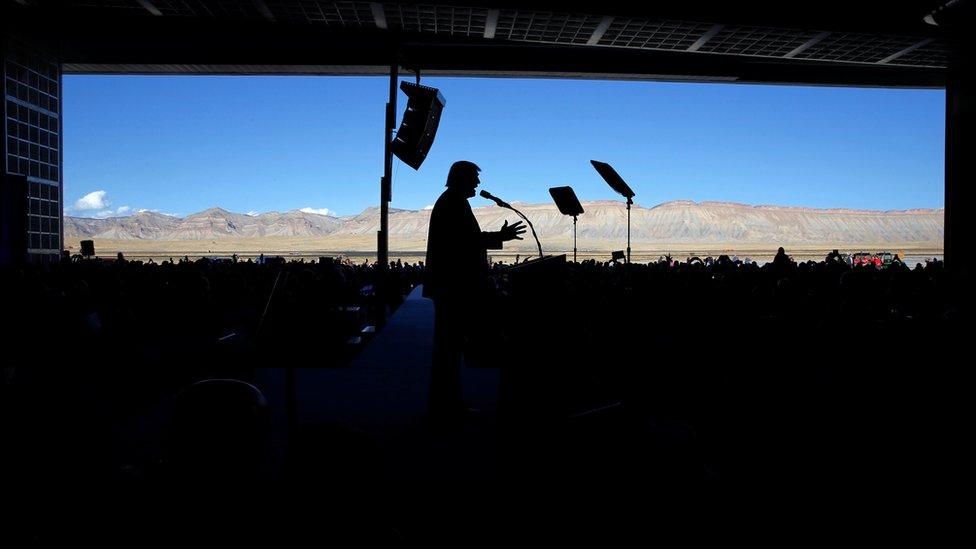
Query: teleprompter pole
x,y
629,202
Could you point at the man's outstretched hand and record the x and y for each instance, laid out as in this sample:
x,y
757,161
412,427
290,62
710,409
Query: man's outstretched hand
x,y
512,232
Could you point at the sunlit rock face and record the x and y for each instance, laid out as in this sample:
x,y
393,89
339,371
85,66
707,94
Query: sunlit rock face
x,y
602,226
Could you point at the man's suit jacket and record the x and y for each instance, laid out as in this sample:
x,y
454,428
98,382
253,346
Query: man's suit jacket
x,y
457,251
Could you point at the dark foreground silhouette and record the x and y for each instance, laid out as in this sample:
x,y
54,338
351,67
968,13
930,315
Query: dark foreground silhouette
x,y
457,281
700,397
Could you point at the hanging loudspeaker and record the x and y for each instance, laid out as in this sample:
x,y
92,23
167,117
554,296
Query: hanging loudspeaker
x,y
420,121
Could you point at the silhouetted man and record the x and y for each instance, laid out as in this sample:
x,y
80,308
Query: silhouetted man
x,y
457,280
781,259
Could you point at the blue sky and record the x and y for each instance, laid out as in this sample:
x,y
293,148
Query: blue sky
x,y
253,144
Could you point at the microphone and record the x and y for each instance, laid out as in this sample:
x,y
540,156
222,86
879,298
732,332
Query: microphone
x,y
503,204
495,199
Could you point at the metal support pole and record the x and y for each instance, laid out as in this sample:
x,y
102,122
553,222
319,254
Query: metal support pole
x,y
386,195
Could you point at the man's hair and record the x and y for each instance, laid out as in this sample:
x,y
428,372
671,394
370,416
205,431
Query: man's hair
x,y
462,171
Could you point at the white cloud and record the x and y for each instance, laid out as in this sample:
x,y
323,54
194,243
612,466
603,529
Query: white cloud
x,y
98,198
156,211
92,201
320,211
429,207
121,211
252,213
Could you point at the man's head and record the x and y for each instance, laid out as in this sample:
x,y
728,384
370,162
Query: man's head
x,y
464,177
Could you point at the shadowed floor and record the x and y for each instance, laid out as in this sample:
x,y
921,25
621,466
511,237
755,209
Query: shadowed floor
x,y
383,394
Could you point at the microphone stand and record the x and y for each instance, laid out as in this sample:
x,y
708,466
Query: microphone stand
x,y
520,214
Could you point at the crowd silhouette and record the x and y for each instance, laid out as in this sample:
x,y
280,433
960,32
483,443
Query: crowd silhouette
x,y
134,385
790,381
690,380
121,311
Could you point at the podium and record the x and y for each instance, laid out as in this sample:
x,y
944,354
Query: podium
x,y
534,274
535,303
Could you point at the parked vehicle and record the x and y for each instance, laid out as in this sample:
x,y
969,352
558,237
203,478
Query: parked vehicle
x,y
879,259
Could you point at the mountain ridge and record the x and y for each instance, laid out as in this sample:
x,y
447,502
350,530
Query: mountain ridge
x,y
603,223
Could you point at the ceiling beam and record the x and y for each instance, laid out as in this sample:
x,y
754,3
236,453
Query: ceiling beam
x,y
265,11
709,34
379,15
806,45
832,76
491,23
599,31
150,7
911,48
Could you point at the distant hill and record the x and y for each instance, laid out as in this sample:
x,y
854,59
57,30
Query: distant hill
x,y
603,226
206,225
